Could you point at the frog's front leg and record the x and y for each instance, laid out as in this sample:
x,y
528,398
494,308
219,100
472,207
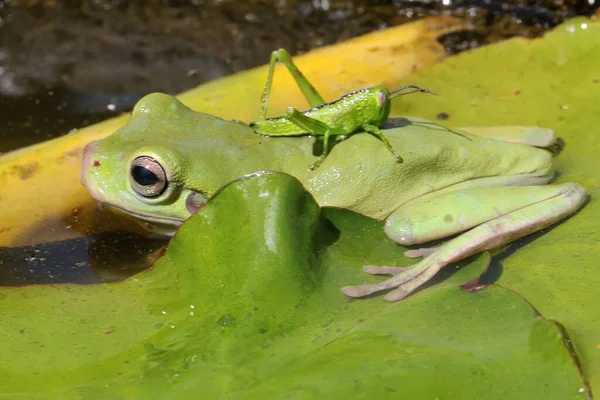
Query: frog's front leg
x,y
533,214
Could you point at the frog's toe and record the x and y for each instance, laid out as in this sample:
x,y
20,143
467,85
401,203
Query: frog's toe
x,y
405,289
413,284
360,290
405,280
401,275
367,289
422,252
384,270
397,294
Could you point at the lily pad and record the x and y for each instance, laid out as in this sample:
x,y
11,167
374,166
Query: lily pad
x,y
552,82
246,304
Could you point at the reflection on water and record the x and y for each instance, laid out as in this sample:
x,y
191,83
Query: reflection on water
x,y
108,257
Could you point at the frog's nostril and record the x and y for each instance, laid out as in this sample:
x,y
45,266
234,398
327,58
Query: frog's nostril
x,y
88,151
88,161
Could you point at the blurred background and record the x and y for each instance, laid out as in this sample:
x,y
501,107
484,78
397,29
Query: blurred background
x,y
67,64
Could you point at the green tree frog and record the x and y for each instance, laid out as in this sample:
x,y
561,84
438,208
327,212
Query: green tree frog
x,y
168,160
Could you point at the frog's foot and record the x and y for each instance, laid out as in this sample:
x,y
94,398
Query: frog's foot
x,y
553,204
405,280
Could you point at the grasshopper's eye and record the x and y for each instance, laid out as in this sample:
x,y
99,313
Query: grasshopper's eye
x,y
382,97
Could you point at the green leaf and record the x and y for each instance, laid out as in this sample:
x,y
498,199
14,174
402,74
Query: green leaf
x,y
246,304
552,82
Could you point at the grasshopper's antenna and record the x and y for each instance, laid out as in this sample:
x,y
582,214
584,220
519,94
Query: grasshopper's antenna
x,y
416,89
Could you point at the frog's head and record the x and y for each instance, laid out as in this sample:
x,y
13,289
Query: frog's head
x,y
138,171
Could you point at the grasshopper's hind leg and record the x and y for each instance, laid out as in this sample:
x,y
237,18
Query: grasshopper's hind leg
x,y
310,92
313,127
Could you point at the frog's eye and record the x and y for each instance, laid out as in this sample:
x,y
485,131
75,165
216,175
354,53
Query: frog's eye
x,y
382,97
147,177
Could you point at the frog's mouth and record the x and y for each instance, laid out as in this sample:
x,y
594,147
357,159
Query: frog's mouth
x,y
166,226
162,226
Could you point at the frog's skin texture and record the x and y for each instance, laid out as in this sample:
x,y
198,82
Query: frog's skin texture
x,y
447,184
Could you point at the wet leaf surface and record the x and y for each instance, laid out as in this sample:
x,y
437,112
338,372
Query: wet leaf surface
x,y
246,304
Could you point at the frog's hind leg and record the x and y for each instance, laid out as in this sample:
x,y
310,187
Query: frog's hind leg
x,y
530,213
467,205
530,135
457,208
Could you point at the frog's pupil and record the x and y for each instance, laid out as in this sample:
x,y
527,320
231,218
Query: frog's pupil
x,y
144,176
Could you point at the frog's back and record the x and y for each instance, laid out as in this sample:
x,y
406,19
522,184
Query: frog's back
x,y
359,174
362,175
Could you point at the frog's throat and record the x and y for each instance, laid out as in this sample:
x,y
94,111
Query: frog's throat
x,y
171,222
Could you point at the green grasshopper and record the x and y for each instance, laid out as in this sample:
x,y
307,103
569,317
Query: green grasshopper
x,y
365,109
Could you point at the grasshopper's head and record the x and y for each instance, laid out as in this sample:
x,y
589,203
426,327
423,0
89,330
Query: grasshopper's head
x,y
383,100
